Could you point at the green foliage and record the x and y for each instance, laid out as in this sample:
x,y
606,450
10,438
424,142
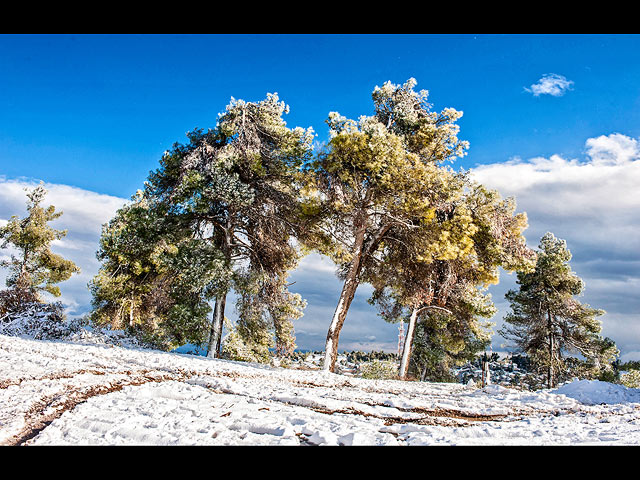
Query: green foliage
x,y
35,268
443,340
219,214
631,379
379,370
376,173
250,345
439,269
266,310
155,279
378,179
235,208
547,322
630,365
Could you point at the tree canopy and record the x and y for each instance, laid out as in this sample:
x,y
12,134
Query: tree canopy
x,y
439,269
388,197
227,205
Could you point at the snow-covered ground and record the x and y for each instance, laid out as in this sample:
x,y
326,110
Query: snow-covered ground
x,y
64,393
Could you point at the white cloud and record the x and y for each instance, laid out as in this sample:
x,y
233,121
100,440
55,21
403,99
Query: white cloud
x,y
84,211
593,204
614,149
597,199
550,84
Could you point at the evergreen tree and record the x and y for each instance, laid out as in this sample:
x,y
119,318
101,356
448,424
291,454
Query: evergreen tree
x,y
155,277
546,320
229,201
34,269
438,270
373,177
443,340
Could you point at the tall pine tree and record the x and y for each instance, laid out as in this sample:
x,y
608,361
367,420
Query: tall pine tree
x,y
375,177
546,321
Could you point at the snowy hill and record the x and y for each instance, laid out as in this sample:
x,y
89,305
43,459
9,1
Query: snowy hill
x,y
68,393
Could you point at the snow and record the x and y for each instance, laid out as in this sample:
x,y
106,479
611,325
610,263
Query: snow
x,y
71,393
594,392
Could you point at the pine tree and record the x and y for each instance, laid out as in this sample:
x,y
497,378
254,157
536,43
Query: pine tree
x,y
444,339
546,321
373,177
438,270
155,277
229,198
34,269
240,182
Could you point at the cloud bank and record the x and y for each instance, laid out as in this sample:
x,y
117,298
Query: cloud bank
x,y
593,204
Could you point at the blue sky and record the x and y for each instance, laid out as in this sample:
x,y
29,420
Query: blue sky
x,y
89,109
92,114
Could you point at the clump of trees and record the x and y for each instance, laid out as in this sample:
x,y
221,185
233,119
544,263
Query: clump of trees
x,y
235,209
231,212
221,214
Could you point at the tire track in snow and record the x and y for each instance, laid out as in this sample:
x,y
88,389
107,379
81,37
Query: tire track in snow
x,y
51,407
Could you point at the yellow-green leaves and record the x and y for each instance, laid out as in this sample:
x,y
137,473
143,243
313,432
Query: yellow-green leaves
x,y
36,268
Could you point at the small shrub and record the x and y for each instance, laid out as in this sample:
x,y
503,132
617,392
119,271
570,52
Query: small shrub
x,y
40,321
631,379
379,370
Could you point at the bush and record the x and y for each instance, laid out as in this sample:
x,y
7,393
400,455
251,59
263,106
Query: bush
x,y
20,317
631,379
379,370
40,321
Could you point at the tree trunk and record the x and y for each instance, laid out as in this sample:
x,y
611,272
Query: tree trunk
x,y
131,302
346,297
550,372
408,342
215,337
352,281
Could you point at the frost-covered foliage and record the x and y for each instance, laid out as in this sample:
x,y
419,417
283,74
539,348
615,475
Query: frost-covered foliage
x,y
379,370
378,176
630,379
32,270
220,214
236,347
47,321
35,268
40,321
154,277
548,323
